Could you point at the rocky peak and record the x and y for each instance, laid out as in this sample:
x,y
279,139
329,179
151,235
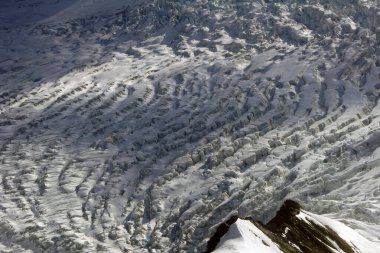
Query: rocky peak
x,y
291,230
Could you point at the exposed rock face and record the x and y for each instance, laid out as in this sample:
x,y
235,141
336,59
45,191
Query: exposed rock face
x,y
308,236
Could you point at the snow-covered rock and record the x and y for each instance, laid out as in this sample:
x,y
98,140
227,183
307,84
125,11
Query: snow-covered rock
x,y
291,230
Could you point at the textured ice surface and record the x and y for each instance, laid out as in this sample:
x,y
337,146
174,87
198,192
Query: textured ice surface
x,y
142,126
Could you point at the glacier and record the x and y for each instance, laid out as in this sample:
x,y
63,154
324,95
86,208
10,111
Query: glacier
x,y
141,126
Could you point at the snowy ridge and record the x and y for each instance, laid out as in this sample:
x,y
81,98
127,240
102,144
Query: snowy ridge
x,y
140,127
292,230
354,239
243,237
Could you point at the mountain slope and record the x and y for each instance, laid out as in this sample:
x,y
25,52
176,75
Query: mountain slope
x,y
291,230
141,127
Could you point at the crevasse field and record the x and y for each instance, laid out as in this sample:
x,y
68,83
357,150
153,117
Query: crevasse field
x,y
140,126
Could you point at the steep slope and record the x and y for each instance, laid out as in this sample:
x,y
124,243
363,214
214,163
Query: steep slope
x,y
140,128
291,230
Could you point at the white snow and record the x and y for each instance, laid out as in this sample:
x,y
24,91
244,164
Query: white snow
x,y
244,237
358,242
